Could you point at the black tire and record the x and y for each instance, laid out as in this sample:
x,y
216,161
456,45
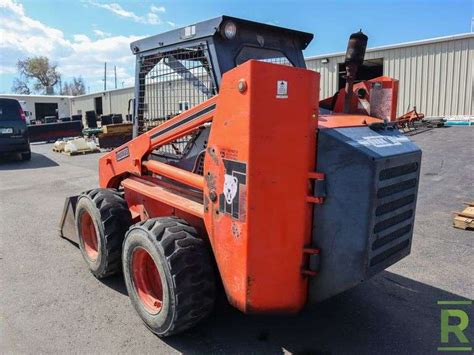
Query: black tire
x,y
26,156
185,270
110,219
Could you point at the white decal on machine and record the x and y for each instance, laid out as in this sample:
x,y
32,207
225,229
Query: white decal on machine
x,y
233,199
382,141
282,89
230,187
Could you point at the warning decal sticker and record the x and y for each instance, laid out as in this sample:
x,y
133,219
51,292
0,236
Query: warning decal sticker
x,y
282,89
232,199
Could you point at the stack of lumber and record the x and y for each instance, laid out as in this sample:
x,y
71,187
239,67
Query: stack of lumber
x,y
465,219
114,135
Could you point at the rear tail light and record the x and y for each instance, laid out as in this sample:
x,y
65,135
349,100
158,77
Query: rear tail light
x,y
22,115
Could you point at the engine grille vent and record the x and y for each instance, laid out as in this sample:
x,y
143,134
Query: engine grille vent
x,y
395,204
398,171
396,188
394,212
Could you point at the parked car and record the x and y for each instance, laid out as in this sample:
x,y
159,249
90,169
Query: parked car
x,y
13,129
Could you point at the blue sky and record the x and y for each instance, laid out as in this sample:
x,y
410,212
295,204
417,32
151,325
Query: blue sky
x,y
80,35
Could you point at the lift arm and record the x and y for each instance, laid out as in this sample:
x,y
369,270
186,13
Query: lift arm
x,y
128,159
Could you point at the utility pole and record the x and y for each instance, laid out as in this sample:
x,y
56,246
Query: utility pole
x,y
115,73
105,76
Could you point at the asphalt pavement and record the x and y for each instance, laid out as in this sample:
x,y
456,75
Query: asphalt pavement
x,y
50,302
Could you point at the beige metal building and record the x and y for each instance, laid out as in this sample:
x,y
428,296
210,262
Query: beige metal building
x,y
106,102
163,99
435,75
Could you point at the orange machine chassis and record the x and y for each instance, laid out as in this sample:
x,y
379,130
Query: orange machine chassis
x,y
246,230
245,173
254,201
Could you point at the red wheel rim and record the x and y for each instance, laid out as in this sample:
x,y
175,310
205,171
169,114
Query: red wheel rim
x,y
147,280
89,236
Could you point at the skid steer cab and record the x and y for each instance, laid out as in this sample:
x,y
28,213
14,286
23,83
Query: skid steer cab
x,y
234,177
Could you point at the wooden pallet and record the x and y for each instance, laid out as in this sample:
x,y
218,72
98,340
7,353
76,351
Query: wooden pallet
x,y
82,152
57,150
465,219
118,128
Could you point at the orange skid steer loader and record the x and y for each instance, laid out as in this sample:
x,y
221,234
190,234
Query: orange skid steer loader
x,y
234,176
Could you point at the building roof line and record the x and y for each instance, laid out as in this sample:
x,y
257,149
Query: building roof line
x,y
401,45
36,96
95,93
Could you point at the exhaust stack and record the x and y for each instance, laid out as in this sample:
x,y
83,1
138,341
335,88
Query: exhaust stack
x,y
354,58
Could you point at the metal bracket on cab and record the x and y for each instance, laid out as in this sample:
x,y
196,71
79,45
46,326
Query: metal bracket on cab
x,y
314,259
319,188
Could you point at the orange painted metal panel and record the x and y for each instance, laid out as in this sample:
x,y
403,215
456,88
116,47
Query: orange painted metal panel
x,y
175,173
261,150
377,97
143,207
156,192
339,120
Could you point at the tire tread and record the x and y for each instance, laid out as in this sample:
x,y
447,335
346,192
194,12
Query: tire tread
x,y
115,218
189,262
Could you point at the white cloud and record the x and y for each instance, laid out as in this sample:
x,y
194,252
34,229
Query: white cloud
x,y
101,34
12,6
81,38
154,8
150,18
117,10
7,69
153,19
21,36
24,33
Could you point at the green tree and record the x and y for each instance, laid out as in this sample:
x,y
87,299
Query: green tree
x,y
43,73
74,88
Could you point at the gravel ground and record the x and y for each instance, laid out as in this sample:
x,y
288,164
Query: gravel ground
x,y
49,302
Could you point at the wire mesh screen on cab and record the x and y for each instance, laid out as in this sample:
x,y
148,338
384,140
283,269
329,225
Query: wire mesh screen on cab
x,y
262,54
170,83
